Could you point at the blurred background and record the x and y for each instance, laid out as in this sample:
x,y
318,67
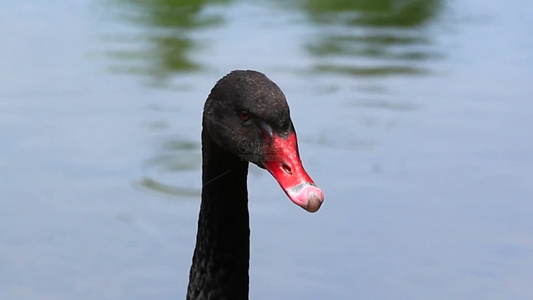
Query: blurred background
x,y
414,117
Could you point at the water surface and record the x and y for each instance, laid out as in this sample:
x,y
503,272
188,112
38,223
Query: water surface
x,y
413,117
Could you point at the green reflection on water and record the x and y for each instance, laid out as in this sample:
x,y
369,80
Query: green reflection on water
x,y
162,47
370,71
372,38
169,190
378,13
175,155
357,38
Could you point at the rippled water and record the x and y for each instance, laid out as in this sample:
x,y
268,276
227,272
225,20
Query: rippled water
x,y
414,117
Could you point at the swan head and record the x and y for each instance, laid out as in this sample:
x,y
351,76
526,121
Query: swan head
x,y
247,115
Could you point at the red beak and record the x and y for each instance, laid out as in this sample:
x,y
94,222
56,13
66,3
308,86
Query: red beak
x,y
282,160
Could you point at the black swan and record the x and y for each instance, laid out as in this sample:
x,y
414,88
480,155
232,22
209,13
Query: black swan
x,y
246,119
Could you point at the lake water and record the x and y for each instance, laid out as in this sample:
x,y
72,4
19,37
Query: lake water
x,y
414,117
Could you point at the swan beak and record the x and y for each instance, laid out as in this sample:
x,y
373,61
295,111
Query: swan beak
x,y
282,160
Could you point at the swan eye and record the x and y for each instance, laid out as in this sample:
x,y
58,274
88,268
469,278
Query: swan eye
x,y
244,115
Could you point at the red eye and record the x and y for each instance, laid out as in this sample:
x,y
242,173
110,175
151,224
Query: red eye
x,y
244,115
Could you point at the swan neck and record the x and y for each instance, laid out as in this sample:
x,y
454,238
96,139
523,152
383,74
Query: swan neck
x,y
221,257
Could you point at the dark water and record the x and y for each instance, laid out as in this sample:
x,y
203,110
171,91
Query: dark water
x,y
414,117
